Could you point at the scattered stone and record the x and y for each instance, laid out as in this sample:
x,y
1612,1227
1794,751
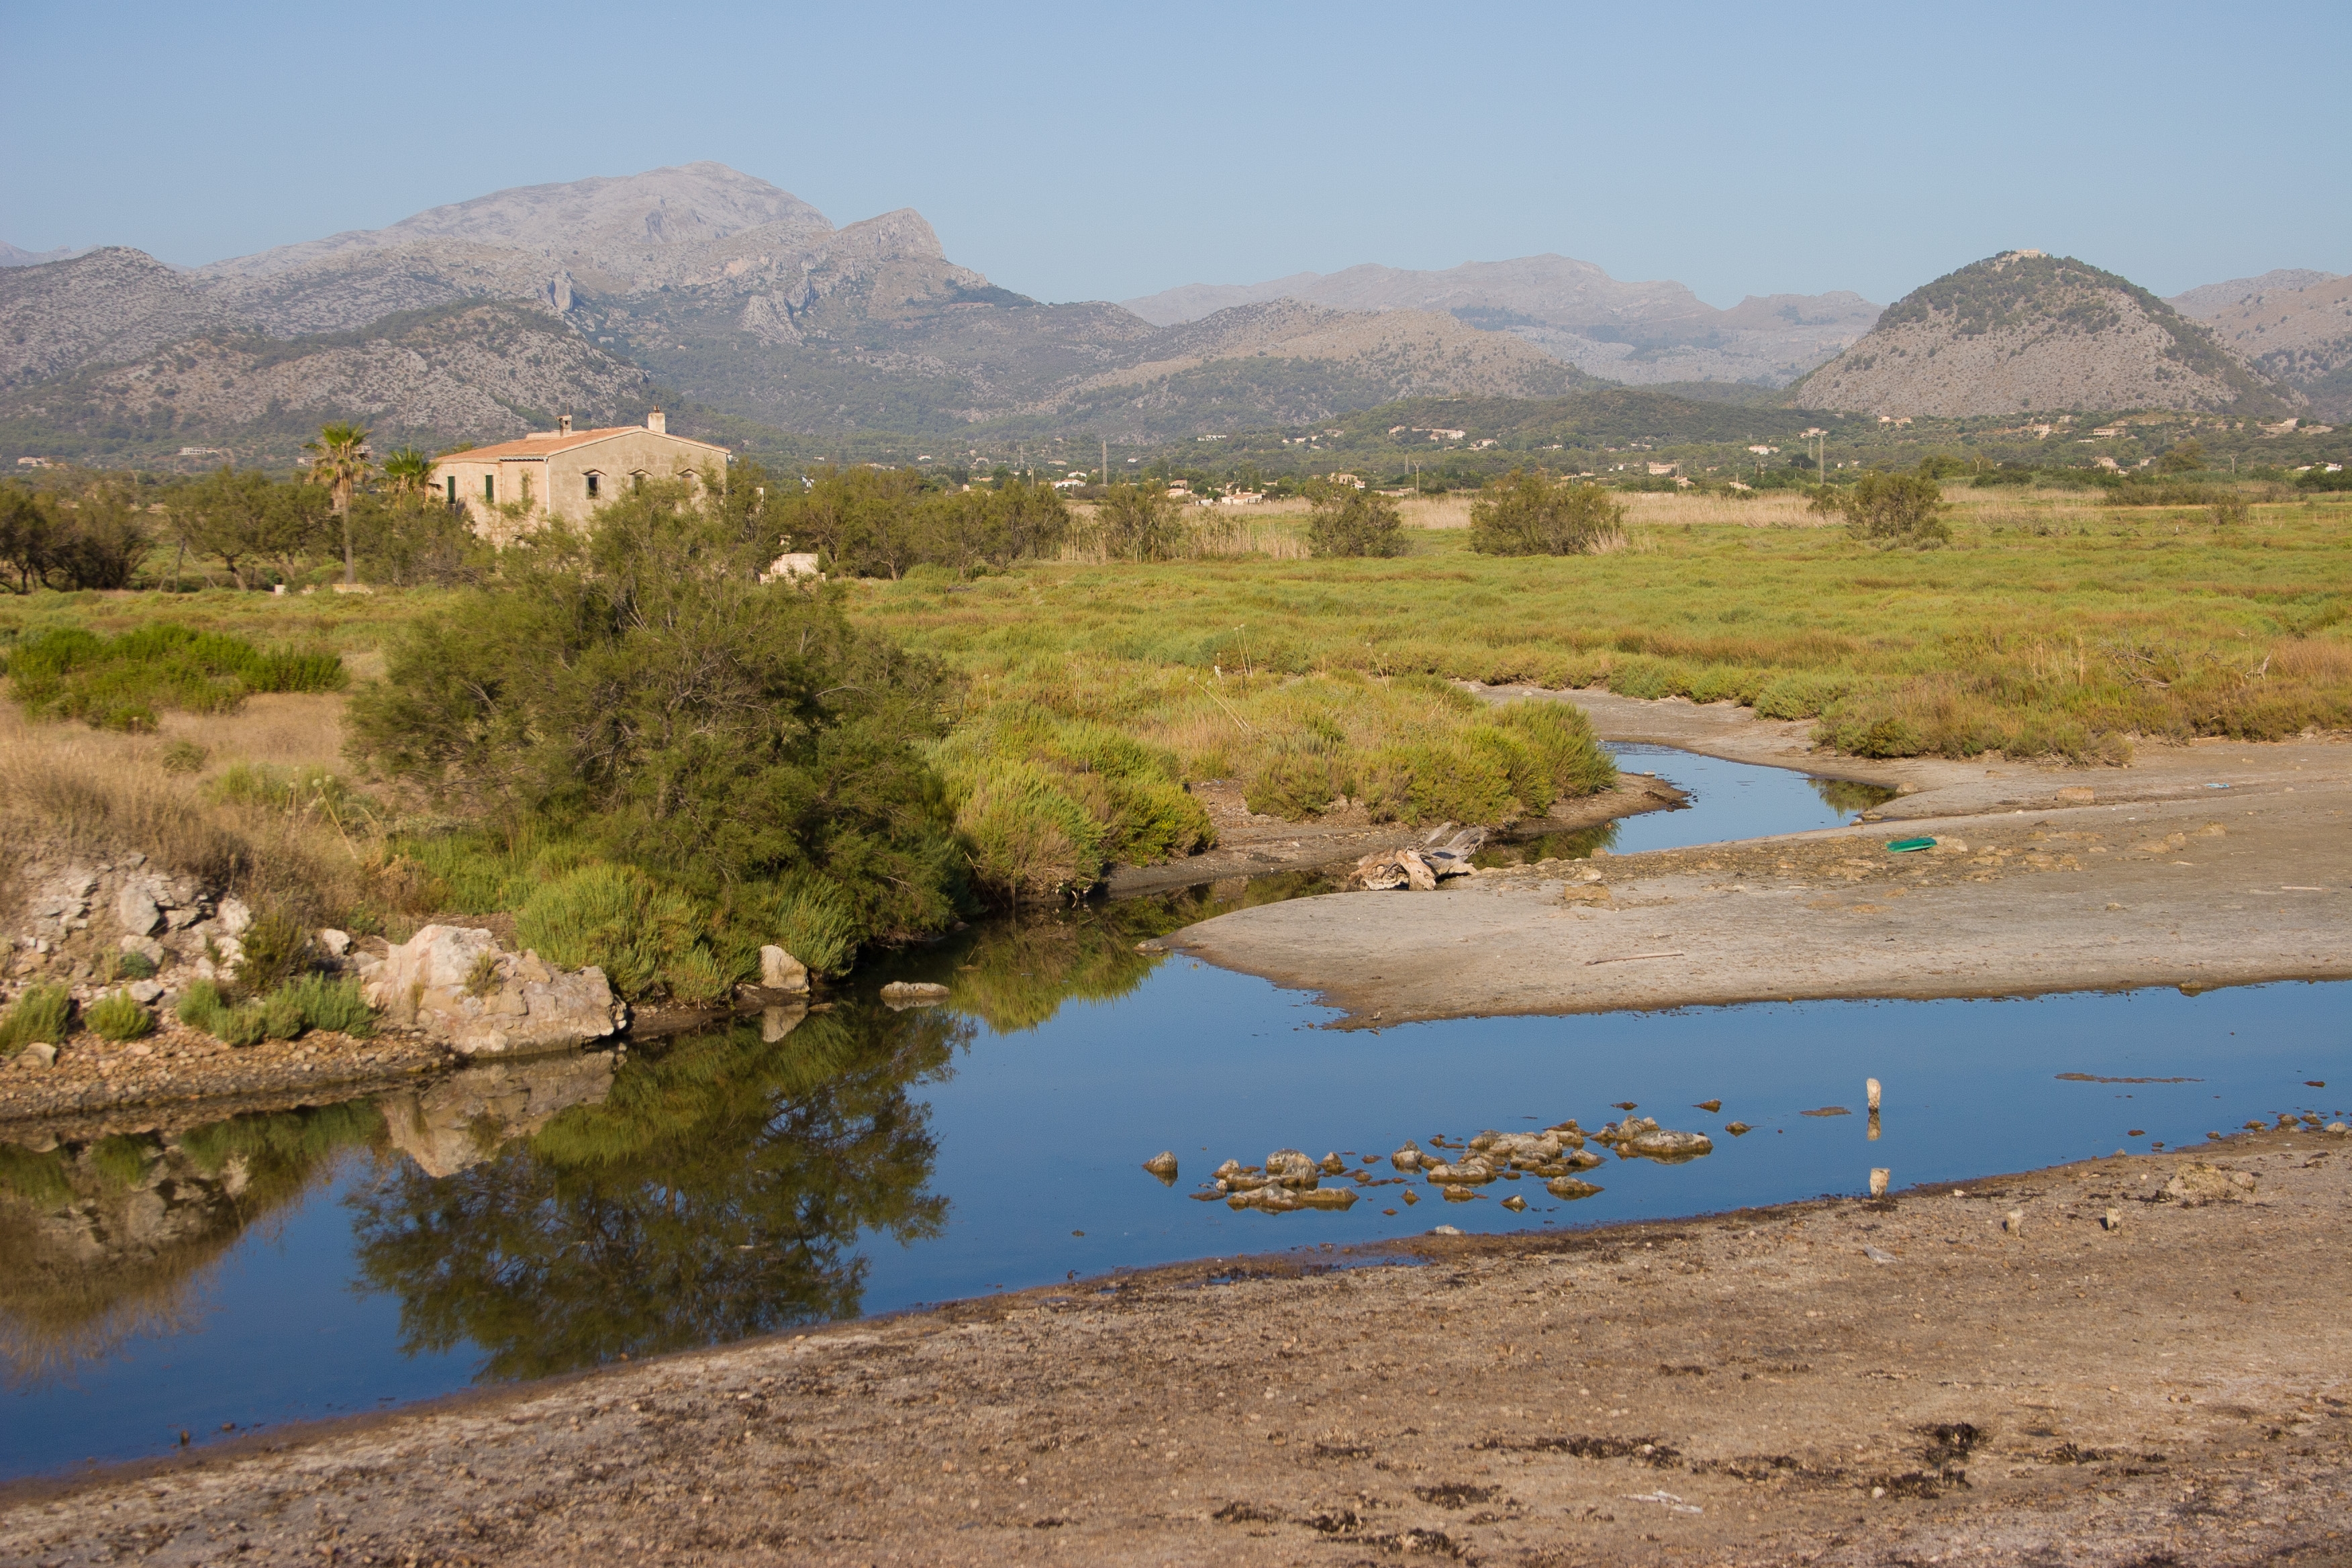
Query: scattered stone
x,y
1407,1158
1515,1203
1410,1196
1445,1230
2013,1222
1332,1166
901,994
1878,1255
1292,1168
1827,1111
1879,1176
234,916
145,992
1737,1129
2112,1220
37,1054
1163,1165
1569,1189
332,942
1709,1106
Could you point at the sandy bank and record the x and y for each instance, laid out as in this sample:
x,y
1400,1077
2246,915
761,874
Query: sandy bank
x,y
2161,878
1751,1388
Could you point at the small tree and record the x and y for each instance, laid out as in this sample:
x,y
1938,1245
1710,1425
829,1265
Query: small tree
x,y
1526,513
2185,456
1889,509
1349,522
339,461
1139,523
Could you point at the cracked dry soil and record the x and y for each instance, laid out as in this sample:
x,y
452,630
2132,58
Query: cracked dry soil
x,y
1748,1388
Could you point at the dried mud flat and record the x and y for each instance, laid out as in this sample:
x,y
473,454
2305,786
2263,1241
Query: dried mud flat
x,y
2215,864
1749,1388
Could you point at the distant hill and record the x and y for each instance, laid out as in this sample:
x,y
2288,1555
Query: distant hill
x,y
731,293
2023,332
2210,299
2295,327
16,256
1644,333
489,368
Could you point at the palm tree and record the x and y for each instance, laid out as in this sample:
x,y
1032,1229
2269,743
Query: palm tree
x,y
340,461
410,471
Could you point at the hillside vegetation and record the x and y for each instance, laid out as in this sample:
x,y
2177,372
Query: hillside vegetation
x,y
2023,331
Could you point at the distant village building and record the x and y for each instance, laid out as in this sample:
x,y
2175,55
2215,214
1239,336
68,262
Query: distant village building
x,y
1657,468
563,475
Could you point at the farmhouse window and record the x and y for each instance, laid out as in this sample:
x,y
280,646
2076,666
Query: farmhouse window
x,y
594,485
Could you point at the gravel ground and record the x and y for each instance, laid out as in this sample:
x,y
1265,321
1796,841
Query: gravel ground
x,y
1758,1388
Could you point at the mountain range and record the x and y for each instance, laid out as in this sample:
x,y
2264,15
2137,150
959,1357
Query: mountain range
x,y
480,320
1642,333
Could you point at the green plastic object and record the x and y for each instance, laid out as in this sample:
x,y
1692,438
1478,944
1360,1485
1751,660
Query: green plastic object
x,y
1906,846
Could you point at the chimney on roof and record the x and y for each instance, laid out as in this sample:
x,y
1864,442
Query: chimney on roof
x,y
657,422
563,423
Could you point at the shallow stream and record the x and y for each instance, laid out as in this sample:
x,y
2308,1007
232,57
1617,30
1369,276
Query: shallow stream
x,y
532,1217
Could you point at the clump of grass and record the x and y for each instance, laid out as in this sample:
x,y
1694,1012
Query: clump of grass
x,y
309,1002
808,916
275,946
119,682
38,1017
126,965
118,1016
184,757
644,935
122,1160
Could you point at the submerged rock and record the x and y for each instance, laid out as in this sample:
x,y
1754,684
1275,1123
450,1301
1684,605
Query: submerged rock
x,y
1737,1129
1668,1147
901,994
1407,1158
1292,1168
1515,1203
1163,1165
1570,1188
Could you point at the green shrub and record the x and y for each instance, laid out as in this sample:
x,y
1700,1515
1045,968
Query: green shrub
x,y
642,933
1572,760
281,1015
184,757
808,916
1801,694
1295,785
1527,513
39,1016
118,1016
275,945
328,1004
128,965
203,1007
1349,522
119,682
1027,836
1890,510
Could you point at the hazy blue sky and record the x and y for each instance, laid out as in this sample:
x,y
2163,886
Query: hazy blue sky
x,y
1099,153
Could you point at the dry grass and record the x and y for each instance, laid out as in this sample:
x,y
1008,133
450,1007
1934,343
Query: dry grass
x,y
1682,510
69,790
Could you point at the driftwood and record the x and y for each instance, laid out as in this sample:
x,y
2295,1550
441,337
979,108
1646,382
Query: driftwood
x,y
1419,867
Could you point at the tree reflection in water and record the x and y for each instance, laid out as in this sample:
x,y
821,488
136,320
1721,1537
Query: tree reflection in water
x,y
718,1193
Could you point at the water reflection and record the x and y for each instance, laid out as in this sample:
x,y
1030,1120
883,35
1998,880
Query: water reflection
x,y
714,1191
111,1240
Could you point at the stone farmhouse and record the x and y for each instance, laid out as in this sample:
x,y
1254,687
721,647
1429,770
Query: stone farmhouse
x,y
565,474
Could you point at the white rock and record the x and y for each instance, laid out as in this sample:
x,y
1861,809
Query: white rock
x,y
38,1056
234,916
780,971
901,995
144,992
438,983
334,943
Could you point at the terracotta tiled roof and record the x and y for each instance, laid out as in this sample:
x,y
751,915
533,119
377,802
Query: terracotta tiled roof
x,y
546,444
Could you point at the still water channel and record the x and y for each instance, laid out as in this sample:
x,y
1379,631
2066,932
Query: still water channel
x,y
533,1218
